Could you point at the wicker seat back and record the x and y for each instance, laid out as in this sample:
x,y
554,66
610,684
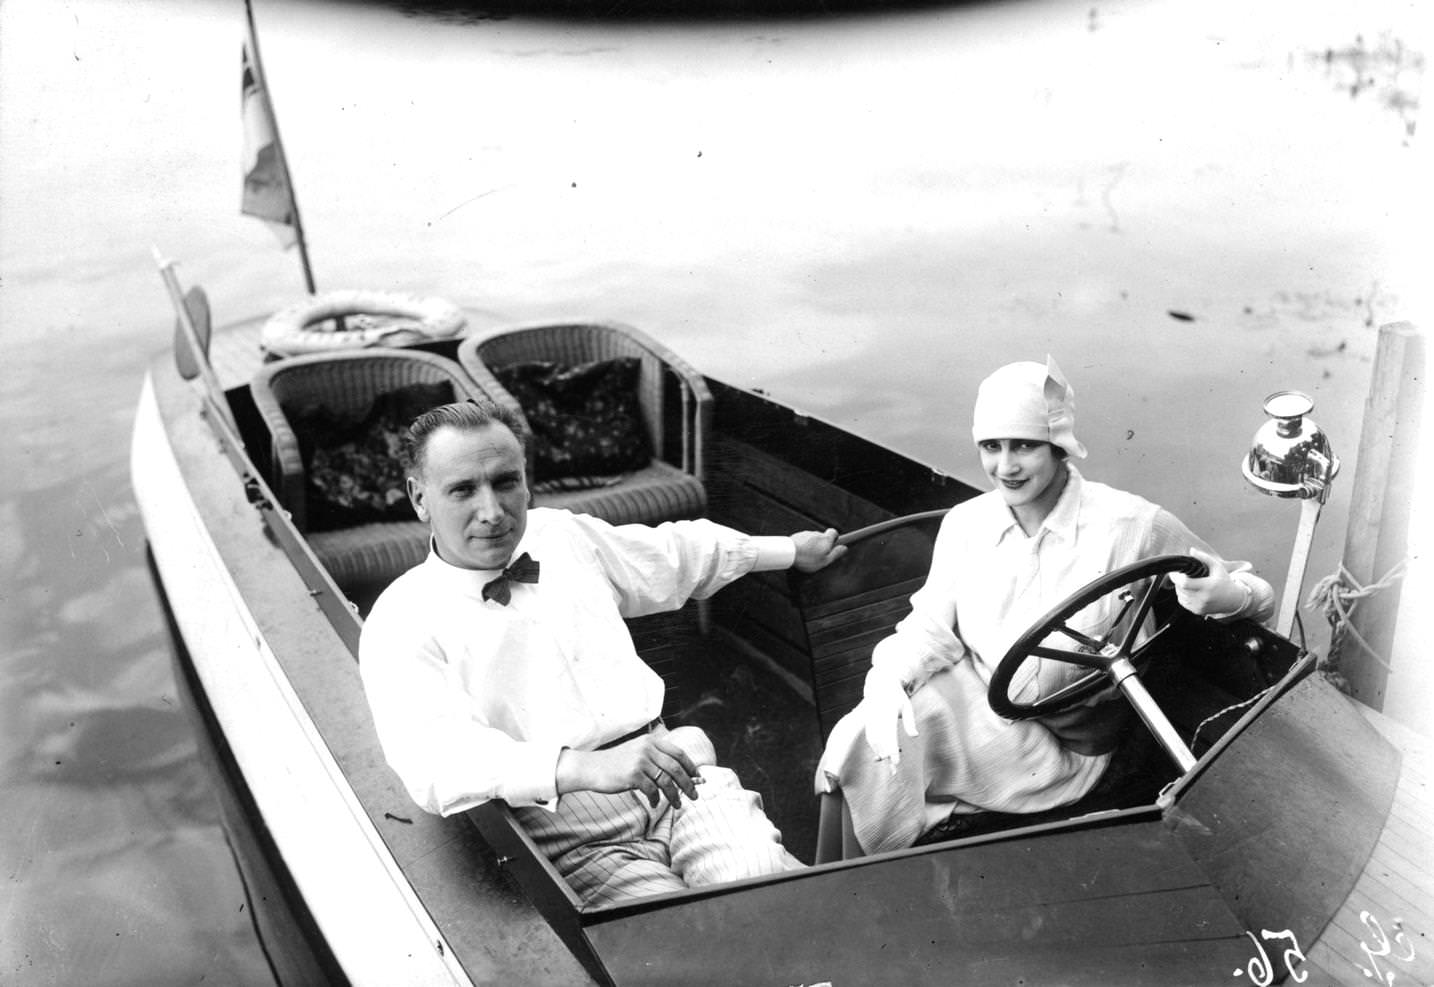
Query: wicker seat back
x,y
676,410
365,557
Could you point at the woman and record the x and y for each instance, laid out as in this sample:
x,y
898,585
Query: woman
x,y
923,744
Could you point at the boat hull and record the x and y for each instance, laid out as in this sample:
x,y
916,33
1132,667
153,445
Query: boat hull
x,y
322,848
357,885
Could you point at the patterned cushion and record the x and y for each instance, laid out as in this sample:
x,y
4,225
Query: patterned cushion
x,y
586,420
354,471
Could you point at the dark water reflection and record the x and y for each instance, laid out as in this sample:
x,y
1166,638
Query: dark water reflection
x,y
860,215
631,11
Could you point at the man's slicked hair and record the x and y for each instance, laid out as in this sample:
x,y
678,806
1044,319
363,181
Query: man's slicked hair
x,y
463,415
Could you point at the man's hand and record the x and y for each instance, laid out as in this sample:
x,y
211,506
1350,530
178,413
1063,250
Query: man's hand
x,y
816,549
886,707
653,764
1216,593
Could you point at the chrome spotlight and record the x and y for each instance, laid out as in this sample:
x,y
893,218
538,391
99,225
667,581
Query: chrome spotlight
x,y
1291,455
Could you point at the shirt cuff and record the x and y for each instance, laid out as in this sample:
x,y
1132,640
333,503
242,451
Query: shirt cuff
x,y
773,552
533,776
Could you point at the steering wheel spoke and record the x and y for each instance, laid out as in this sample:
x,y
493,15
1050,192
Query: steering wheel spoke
x,y
1085,659
1137,656
1142,610
1097,654
1079,687
1084,640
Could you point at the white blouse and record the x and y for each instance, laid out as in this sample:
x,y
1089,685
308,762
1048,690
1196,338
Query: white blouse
x,y
990,582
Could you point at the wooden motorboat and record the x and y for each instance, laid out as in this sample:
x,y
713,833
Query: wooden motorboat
x,y
1292,844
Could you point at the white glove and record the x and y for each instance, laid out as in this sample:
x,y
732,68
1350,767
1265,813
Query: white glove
x,y
1218,593
886,705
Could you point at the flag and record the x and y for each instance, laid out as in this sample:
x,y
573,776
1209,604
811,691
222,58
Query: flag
x,y
267,194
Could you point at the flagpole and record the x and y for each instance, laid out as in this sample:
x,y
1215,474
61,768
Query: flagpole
x,y
279,148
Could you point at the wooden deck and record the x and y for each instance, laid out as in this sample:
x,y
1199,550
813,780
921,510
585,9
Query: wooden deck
x,y
1385,932
236,355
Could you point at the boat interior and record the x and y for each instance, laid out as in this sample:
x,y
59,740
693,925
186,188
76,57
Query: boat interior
x,y
769,664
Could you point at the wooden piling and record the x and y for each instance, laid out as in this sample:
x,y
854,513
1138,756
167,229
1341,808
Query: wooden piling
x,y
1381,501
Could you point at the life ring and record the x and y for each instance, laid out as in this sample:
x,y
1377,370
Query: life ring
x,y
401,320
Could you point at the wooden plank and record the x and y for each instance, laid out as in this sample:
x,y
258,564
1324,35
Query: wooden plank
x,y
1374,925
837,674
832,668
868,471
1101,905
1404,884
759,514
235,353
836,701
1374,897
1327,965
827,503
751,601
776,636
885,560
1402,841
1396,883
877,615
886,590
1381,500
841,686
836,684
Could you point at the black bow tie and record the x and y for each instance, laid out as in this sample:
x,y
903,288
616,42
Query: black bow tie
x,y
524,570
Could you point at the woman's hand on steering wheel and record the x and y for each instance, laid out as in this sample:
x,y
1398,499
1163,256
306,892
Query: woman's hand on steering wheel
x,y
1218,593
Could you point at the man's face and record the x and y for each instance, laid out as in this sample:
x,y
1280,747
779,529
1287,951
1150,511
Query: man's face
x,y
1025,472
473,494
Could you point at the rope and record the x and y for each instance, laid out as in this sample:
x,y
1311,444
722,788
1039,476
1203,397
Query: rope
x,y
1233,706
1338,595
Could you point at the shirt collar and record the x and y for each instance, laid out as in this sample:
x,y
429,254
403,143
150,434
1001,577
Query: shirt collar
x,y
472,581
1061,521
467,581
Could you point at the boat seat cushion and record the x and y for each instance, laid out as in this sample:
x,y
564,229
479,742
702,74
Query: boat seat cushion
x,y
354,473
585,419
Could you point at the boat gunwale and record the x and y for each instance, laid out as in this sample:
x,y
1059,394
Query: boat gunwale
x,y
155,439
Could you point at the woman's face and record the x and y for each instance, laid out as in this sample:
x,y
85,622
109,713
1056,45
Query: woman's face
x,y
1027,473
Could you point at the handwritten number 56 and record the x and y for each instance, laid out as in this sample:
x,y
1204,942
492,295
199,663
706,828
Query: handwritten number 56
x,y
1262,972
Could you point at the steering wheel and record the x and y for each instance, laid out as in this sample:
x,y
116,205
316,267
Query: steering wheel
x,y
1109,660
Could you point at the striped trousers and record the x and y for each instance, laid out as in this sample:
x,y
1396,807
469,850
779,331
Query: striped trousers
x,y
614,847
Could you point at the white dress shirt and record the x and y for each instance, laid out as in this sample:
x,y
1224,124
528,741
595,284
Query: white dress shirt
x,y
475,700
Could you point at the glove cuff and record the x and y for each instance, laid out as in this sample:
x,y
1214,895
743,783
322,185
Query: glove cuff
x,y
1246,594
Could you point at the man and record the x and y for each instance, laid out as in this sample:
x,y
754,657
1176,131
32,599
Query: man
x,y
1001,562
500,667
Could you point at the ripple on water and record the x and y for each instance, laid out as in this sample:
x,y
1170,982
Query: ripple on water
x,y
163,910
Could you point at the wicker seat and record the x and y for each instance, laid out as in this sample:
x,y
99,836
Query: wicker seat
x,y
676,411
364,558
